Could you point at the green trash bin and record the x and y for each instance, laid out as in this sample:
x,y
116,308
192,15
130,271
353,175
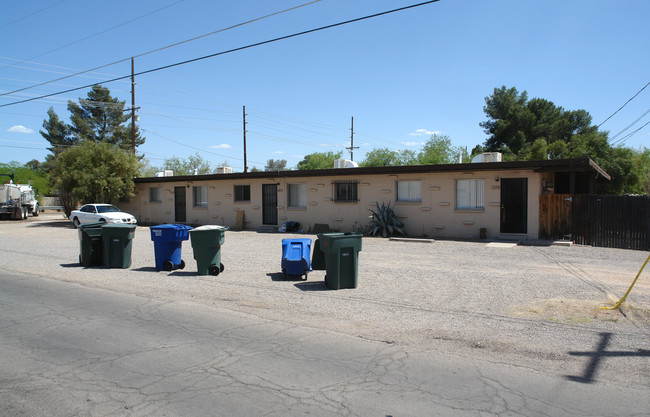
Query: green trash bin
x,y
90,244
341,253
206,245
117,240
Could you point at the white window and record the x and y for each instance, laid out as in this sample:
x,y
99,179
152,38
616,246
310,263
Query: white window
x,y
297,195
409,191
155,194
200,196
470,194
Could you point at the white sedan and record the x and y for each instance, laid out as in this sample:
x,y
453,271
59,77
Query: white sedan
x,y
106,213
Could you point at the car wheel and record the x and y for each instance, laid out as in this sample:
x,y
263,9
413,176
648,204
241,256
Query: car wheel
x,y
76,223
102,220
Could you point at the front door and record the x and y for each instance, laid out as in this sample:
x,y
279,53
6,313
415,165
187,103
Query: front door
x,y
270,204
514,205
180,212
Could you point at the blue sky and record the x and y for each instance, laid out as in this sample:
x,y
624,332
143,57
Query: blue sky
x,y
401,76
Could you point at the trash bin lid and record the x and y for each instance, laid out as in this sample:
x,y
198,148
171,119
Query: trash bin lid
x,y
210,227
172,226
170,232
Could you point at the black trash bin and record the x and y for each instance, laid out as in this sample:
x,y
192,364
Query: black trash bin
x,y
117,240
90,244
340,252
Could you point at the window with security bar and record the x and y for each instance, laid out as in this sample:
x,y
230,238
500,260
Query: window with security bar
x,y
345,191
242,193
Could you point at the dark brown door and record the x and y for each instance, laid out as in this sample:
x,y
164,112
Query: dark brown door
x,y
514,205
269,204
180,204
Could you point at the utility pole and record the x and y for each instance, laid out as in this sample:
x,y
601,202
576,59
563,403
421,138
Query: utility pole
x,y
133,104
352,147
245,164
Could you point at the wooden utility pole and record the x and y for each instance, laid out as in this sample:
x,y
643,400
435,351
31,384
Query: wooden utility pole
x,y
352,147
133,104
245,164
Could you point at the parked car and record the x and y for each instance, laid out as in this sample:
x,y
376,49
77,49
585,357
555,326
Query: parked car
x,y
100,213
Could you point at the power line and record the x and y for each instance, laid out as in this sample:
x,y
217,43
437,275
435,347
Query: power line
x,y
620,108
622,140
103,31
32,14
629,126
160,49
241,48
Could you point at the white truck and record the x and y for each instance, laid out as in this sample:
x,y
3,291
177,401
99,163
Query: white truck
x,y
18,201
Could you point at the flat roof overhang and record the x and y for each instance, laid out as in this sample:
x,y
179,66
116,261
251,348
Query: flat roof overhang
x,y
554,165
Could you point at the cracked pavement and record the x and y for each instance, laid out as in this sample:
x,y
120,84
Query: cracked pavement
x,y
72,350
429,331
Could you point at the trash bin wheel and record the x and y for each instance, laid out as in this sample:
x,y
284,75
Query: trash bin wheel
x,y
168,266
181,265
79,259
305,279
221,268
214,270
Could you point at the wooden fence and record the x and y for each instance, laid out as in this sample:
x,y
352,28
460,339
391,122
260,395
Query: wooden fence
x,y
597,220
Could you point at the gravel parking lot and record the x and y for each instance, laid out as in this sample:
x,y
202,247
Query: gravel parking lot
x,y
534,306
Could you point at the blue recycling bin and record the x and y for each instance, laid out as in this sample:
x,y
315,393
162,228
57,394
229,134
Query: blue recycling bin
x,y
167,242
295,257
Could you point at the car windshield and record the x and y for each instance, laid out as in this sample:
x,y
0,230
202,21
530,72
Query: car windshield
x,y
107,209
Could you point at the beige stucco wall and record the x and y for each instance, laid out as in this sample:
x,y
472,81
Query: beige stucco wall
x,y
434,216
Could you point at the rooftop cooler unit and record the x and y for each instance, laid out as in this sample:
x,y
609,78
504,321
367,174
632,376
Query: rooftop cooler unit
x,y
345,163
488,157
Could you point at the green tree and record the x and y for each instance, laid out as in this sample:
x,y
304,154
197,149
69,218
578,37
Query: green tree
x,y
57,133
319,160
515,123
381,157
438,150
101,118
145,169
193,164
26,174
93,172
276,165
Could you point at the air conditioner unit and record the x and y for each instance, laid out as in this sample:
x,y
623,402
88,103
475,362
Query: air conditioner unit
x,y
488,157
223,170
345,163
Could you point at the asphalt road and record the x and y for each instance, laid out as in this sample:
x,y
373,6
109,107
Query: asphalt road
x,y
69,350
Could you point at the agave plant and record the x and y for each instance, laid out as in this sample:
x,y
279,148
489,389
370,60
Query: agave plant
x,y
385,221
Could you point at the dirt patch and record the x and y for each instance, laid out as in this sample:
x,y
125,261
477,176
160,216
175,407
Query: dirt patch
x,y
569,311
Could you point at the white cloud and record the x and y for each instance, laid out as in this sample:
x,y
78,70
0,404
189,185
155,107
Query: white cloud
x,y
222,146
424,132
279,152
412,143
20,129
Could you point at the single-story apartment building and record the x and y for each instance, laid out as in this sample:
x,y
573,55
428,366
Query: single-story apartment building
x,y
465,200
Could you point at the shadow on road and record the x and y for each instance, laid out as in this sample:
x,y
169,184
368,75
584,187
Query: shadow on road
x,y
312,286
58,224
600,354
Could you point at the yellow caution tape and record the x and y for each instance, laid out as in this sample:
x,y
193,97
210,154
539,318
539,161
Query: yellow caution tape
x,y
629,289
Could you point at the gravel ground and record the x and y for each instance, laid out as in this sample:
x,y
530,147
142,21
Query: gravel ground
x,y
531,306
